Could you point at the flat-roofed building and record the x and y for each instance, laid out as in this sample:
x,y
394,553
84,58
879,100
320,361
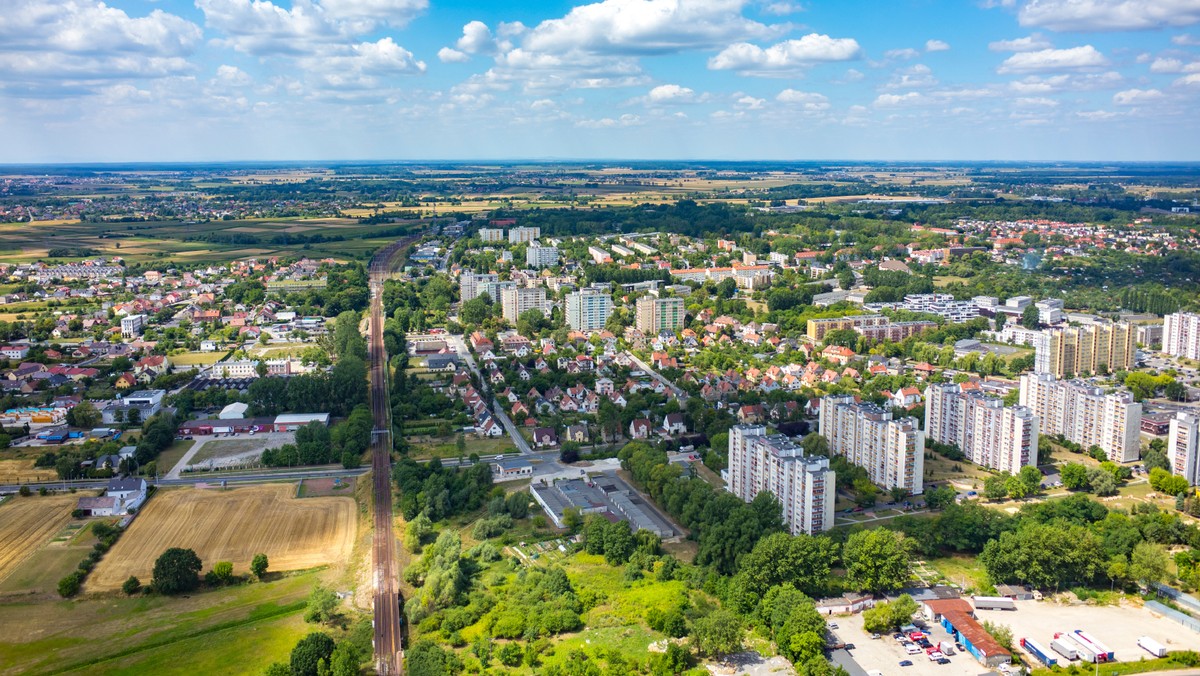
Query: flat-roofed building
x,y
989,434
891,450
1183,446
655,315
588,309
775,464
1085,414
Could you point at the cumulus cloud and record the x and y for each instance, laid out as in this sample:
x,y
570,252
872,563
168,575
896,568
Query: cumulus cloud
x,y
917,76
1188,80
1035,84
906,53
1161,65
1029,43
231,76
370,12
782,8
749,102
1073,58
787,56
936,46
670,94
809,101
1185,40
448,55
363,65
895,100
1133,97
1108,15
610,122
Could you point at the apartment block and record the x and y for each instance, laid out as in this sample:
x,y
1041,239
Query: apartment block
x,y
514,301
471,285
893,331
805,486
892,451
1085,414
1181,335
491,235
600,256
941,304
1085,349
133,326
655,315
1183,446
538,256
588,309
524,234
990,434
817,328
1151,336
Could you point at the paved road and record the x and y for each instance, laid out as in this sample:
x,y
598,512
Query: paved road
x,y
389,651
519,441
679,393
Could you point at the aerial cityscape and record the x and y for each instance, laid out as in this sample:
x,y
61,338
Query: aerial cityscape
x,y
638,337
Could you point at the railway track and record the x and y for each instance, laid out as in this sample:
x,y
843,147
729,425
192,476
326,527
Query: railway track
x,y
389,649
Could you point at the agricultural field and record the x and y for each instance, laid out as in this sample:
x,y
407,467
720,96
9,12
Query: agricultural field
x,y
237,629
233,525
21,470
27,524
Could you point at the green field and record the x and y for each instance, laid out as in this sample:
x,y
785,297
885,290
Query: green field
x,y
235,630
446,447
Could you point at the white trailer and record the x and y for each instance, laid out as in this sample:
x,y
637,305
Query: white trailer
x,y
1065,647
1151,646
994,603
947,647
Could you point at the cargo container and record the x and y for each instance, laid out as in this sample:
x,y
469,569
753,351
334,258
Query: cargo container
x,y
1103,654
1038,651
1065,647
994,603
947,647
1151,646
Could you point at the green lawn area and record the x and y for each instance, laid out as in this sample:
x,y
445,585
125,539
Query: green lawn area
x,y
946,280
174,453
41,572
424,448
964,571
235,630
189,359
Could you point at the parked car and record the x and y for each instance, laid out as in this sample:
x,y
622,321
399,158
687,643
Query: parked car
x,y
943,661
905,663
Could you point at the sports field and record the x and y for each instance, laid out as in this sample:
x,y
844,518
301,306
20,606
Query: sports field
x,y
232,525
26,524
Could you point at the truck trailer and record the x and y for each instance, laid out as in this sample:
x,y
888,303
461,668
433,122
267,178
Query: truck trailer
x,y
1151,646
1065,647
994,603
1103,654
1038,651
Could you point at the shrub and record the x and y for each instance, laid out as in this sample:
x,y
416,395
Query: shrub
x,y
69,585
131,586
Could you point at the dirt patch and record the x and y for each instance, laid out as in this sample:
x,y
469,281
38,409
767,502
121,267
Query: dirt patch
x,y
26,524
332,486
232,525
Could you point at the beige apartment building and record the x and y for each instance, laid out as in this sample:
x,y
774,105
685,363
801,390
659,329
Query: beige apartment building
x,y
514,301
1076,350
892,451
655,315
990,434
804,485
1085,414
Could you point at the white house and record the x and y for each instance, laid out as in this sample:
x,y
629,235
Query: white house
x,y
122,496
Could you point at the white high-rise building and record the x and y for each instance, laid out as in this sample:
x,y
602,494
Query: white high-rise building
x,y
523,234
514,301
538,256
132,326
470,285
892,451
990,434
1085,414
1183,446
804,485
1181,335
588,309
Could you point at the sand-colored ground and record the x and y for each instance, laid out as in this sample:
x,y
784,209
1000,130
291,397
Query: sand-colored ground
x,y
22,471
26,524
232,525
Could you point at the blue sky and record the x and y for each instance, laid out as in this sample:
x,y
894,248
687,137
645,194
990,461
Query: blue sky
x,y
128,80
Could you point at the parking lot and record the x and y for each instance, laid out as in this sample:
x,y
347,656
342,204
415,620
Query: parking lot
x,y
1119,627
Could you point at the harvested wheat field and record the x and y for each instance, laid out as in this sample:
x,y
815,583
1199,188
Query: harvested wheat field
x,y
28,523
232,525
23,471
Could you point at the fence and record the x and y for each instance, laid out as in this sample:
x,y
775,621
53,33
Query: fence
x,y
1180,599
1168,612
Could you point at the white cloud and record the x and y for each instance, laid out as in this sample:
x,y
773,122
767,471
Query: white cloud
x,y
1133,97
1108,15
1029,43
750,103
808,101
362,65
670,93
790,55
1162,65
1188,80
448,55
370,12
906,53
261,27
916,76
894,100
936,46
1185,40
1073,58
1035,84
232,76
783,8
609,122
1036,101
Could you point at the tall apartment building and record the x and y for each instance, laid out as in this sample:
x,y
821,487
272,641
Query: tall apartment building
x,y
1181,335
491,234
990,434
538,256
1085,414
817,328
523,234
1183,446
892,451
804,486
471,285
514,301
659,314
588,309
1084,349
132,326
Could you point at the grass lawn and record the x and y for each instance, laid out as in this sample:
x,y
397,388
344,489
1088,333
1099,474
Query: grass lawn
x,y
946,280
174,453
222,449
196,358
424,448
243,628
938,468
964,571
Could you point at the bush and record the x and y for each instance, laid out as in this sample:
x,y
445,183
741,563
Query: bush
x,y
309,652
131,586
25,492
258,565
69,585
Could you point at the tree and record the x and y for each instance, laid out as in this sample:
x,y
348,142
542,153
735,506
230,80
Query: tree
x,y
223,571
84,415
258,565
1001,632
718,633
69,585
1031,477
939,497
1148,563
1166,483
996,487
322,606
310,652
876,560
618,543
1047,556
131,586
176,570
417,532
1102,482
345,660
1029,317
815,444
1074,476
